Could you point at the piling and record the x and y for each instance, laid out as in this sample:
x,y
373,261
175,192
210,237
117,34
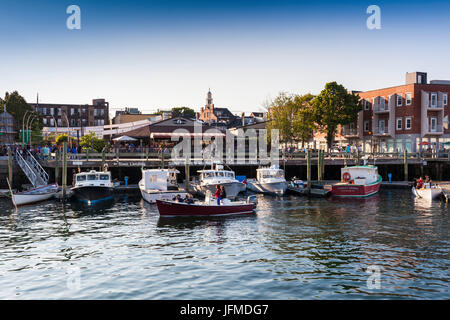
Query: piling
x,y
57,155
308,168
103,160
319,166
64,170
405,164
10,166
162,159
186,174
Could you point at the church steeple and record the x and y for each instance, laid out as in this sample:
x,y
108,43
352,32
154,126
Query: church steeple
x,y
209,99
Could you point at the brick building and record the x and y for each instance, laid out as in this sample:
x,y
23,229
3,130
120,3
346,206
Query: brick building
x,y
74,115
400,118
218,117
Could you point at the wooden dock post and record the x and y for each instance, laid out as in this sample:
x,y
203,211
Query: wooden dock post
x,y
308,168
162,159
186,174
323,164
319,166
405,164
57,156
10,166
64,170
103,159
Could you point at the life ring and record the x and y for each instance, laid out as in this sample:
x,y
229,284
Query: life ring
x,y
346,176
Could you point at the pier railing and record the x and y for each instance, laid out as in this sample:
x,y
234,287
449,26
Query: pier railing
x,y
157,157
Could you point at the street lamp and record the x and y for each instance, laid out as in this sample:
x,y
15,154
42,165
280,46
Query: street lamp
x,y
23,124
29,125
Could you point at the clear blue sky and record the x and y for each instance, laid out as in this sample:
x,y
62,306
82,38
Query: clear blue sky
x,y
161,54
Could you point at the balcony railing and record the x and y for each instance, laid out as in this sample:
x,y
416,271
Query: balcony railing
x,y
380,108
438,129
350,132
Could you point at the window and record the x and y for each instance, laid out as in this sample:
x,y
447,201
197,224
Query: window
x,y
433,125
92,177
382,104
44,121
408,123
72,111
445,99
44,111
365,104
399,124
366,126
381,126
104,177
408,99
81,178
433,99
419,78
52,111
399,100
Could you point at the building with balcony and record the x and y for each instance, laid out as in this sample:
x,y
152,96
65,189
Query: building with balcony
x,y
404,117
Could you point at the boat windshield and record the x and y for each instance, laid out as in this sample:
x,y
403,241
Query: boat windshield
x,y
229,174
92,177
104,177
81,178
208,175
220,174
272,174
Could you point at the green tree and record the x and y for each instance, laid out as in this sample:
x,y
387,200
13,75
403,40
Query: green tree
x,y
17,106
335,106
292,116
62,138
91,142
183,112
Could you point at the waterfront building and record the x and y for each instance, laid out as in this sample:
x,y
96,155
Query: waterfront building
x,y
74,115
394,119
133,114
7,132
217,117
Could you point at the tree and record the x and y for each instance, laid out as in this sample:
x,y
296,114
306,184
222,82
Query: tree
x,y
292,116
183,112
17,106
91,142
335,106
62,138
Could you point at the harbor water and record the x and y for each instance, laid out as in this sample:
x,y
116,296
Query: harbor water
x,y
389,246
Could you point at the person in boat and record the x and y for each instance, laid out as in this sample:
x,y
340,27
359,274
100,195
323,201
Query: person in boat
x,y
189,199
428,180
420,183
217,194
223,194
178,198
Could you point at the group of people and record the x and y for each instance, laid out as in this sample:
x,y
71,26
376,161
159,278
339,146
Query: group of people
x,y
421,183
187,200
220,194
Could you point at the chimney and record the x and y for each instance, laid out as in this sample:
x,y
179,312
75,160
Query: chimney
x,y
243,118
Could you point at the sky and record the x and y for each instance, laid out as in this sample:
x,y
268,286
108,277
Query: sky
x,y
163,54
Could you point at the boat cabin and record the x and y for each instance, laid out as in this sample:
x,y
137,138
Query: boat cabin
x,y
218,173
360,175
160,179
93,178
274,172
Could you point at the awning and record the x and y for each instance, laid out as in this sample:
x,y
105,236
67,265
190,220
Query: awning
x,y
185,134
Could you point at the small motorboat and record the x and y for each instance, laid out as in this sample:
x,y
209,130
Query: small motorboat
x,y
35,195
160,184
358,181
298,187
428,192
93,186
269,180
210,179
208,208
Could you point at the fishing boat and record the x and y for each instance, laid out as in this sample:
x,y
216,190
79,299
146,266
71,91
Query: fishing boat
x,y
160,184
93,186
207,208
428,192
268,180
358,181
35,195
210,179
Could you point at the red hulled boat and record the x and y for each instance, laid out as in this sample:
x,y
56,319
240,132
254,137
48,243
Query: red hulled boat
x,y
358,181
181,209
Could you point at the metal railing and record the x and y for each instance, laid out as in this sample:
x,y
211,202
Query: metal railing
x,y
29,172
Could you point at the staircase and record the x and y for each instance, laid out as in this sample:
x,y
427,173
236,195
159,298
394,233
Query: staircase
x,y
32,169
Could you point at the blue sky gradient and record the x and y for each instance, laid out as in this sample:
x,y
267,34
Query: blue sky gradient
x,y
161,54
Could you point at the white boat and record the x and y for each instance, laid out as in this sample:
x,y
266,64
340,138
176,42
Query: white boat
x,y
269,180
93,186
160,184
428,192
210,179
35,195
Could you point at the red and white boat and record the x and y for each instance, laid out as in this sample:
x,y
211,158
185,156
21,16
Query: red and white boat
x,y
209,208
358,182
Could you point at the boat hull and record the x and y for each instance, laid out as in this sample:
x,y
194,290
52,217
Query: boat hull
x,y
275,188
428,193
93,194
174,209
355,191
35,195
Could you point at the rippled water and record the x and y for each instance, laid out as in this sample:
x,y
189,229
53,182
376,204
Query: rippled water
x,y
292,248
